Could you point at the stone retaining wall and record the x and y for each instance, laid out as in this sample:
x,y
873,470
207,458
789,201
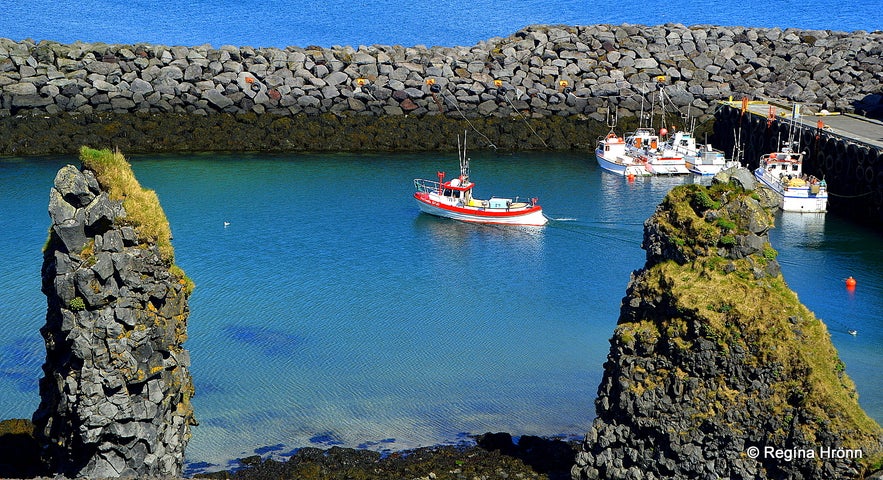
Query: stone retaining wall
x,y
538,72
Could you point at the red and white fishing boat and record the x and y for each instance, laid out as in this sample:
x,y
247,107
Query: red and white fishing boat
x,y
453,199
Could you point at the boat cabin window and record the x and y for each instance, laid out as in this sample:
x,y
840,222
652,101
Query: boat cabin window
x,y
452,193
794,167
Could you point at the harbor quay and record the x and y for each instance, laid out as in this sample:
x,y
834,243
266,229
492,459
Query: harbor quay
x,y
545,87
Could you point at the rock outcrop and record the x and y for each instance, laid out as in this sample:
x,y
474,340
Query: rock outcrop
x,y
115,398
716,370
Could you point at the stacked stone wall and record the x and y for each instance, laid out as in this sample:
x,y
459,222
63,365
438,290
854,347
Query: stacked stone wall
x,y
538,72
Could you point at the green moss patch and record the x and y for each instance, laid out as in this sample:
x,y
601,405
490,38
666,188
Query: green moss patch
x,y
143,211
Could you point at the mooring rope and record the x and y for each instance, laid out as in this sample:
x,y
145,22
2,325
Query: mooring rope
x,y
850,196
524,119
490,143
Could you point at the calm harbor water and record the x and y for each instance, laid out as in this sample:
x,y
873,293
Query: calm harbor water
x,y
266,23
331,312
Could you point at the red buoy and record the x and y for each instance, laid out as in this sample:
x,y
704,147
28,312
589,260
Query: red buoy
x,y
850,282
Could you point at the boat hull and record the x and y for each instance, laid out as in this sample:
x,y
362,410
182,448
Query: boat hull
x,y
667,167
520,216
620,168
705,169
795,199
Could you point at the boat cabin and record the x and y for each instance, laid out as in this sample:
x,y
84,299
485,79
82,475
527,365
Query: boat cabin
x,y
457,188
783,163
643,139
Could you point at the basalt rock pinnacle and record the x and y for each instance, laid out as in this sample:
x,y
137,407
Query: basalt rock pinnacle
x,y
115,396
716,370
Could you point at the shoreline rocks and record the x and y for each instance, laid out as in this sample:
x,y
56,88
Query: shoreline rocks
x,y
538,72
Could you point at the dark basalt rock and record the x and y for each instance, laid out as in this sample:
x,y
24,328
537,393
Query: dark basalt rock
x,y
714,357
115,395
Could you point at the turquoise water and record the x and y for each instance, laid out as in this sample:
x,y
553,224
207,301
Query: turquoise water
x,y
330,311
266,23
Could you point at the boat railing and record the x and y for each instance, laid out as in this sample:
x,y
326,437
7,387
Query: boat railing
x,y
427,186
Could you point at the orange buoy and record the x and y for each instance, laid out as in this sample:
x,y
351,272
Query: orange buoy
x,y
630,177
850,282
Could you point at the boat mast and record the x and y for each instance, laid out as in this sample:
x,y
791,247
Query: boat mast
x,y
464,160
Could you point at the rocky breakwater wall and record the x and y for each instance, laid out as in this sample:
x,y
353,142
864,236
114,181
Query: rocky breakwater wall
x,y
716,370
115,398
337,94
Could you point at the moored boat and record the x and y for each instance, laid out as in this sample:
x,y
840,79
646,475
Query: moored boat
x,y
611,155
659,158
782,172
453,199
700,160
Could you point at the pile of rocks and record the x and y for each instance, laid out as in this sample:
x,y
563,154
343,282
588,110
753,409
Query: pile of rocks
x,y
115,398
540,71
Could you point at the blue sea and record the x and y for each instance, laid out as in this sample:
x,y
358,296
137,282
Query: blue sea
x,y
266,23
330,311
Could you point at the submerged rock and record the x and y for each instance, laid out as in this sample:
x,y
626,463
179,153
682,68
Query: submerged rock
x,y
115,398
716,370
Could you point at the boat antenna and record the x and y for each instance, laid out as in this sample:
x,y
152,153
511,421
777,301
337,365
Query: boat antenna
x,y
464,160
738,153
611,119
792,127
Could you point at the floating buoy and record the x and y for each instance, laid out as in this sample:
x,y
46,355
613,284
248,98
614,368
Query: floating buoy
x,y
850,282
630,177
663,132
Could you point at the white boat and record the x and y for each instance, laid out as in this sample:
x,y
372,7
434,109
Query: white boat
x,y
704,160
659,157
611,155
782,172
453,199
